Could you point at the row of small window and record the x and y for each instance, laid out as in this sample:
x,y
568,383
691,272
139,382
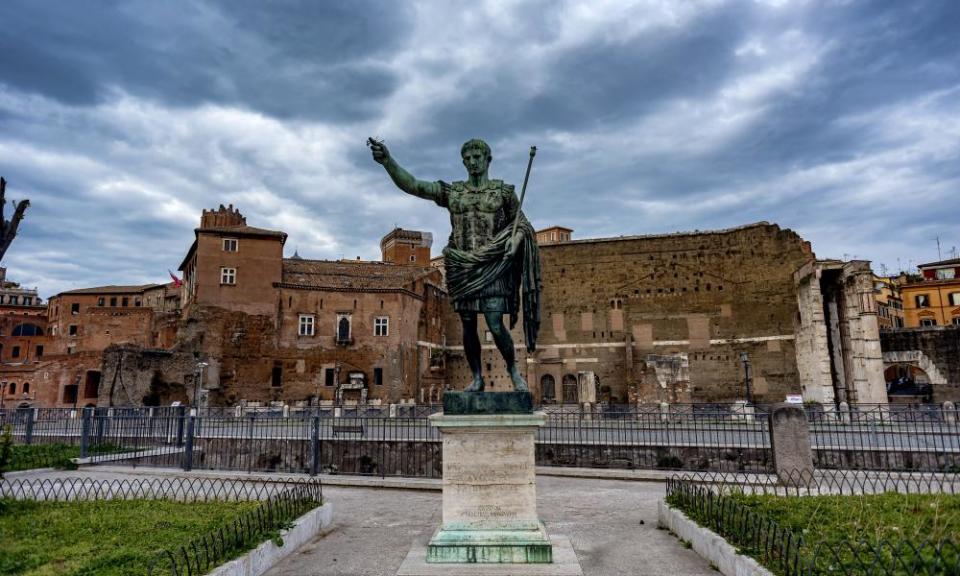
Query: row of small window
x,y
928,322
102,301
11,388
15,351
923,300
329,376
14,300
308,323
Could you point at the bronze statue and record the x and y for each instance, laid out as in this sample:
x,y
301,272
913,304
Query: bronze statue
x,y
8,228
491,259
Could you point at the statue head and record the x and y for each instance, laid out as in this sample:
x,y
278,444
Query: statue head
x,y
476,156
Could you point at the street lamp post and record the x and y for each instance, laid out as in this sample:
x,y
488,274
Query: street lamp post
x,y
747,376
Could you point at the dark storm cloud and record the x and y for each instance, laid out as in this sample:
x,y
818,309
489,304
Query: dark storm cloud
x,y
121,121
309,59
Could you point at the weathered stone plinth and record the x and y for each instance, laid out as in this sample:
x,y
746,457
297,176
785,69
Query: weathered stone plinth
x,y
489,491
459,403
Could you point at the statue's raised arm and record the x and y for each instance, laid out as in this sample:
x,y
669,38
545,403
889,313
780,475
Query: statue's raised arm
x,y
403,179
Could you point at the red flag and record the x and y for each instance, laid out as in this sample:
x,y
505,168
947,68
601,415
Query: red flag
x,y
176,281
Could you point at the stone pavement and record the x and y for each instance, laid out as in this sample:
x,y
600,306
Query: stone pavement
x,y
375,528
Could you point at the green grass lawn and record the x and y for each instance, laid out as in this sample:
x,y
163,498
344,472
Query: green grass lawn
x,y
876,517
23,457
41,456
842,522
102,538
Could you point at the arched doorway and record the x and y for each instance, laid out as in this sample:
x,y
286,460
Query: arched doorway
x,y
570,395
548,389
907,380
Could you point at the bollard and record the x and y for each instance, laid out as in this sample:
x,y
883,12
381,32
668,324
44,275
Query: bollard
x,y
664,412
844,410
950,412
790,445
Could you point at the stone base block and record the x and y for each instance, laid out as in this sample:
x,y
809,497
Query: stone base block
x,y
565,563
459,403
501,546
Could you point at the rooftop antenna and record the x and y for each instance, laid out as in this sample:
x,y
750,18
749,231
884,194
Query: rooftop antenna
x,y
939,255
883,269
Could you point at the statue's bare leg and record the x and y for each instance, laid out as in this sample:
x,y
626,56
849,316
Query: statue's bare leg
x,y
501,336
471,348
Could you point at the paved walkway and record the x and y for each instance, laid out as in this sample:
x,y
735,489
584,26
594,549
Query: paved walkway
x,y
611,523
375,528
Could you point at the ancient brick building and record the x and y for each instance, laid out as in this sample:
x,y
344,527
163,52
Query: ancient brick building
x,y
926,356
24,342
84,322
672,317
662,318
257,327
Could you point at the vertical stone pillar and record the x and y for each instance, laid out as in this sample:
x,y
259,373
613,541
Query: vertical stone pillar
x,y
489,491
790,444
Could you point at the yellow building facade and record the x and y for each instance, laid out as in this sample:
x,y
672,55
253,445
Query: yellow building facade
x,y
886,292
933,300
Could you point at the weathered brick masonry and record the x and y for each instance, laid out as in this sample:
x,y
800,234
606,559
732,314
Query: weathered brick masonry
x,y
663,318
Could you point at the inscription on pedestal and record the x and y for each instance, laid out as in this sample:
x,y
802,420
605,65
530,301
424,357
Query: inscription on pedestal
x,y
489,491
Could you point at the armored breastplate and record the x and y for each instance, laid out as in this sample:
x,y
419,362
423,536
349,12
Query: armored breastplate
x,y
476,216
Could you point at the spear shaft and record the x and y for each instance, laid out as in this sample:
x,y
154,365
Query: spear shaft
x,y
523,190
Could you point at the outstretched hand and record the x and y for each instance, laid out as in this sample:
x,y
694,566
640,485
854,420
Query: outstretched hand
x,y
379,150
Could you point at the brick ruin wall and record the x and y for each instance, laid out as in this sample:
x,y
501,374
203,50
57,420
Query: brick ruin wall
x,y
242,351
663,317
939,356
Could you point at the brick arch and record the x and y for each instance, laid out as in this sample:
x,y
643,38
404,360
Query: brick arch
x,y
915,358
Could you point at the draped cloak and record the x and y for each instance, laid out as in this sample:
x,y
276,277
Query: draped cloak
x,y
469,272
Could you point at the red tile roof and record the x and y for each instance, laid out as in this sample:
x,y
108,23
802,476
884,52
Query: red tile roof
x,y
351,275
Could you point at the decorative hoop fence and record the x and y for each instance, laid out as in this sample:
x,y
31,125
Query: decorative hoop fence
x,y
281,501
711,499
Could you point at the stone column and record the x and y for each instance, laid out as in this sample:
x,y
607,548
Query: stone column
x,y
790,444
489,491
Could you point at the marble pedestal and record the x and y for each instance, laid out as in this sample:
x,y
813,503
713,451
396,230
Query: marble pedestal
x,y
489,491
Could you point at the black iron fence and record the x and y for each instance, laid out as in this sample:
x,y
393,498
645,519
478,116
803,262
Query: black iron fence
x,y
399,440
886,437
180,489
715,501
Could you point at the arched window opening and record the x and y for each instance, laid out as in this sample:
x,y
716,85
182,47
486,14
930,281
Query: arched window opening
x,y
548,390
570,395
27,330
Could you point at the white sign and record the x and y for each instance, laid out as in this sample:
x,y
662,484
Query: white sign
x,y
794,399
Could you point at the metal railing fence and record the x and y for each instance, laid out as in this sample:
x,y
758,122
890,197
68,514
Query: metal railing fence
x,y
398,440
886,437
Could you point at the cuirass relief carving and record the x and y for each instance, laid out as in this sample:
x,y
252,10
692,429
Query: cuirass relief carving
x,y
476,216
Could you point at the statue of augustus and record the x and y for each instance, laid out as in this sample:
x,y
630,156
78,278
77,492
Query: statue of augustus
x,y
489,267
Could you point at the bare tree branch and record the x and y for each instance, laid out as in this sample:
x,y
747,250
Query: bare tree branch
x,y
8,229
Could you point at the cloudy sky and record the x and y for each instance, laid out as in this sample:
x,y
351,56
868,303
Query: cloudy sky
x,y
121,121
